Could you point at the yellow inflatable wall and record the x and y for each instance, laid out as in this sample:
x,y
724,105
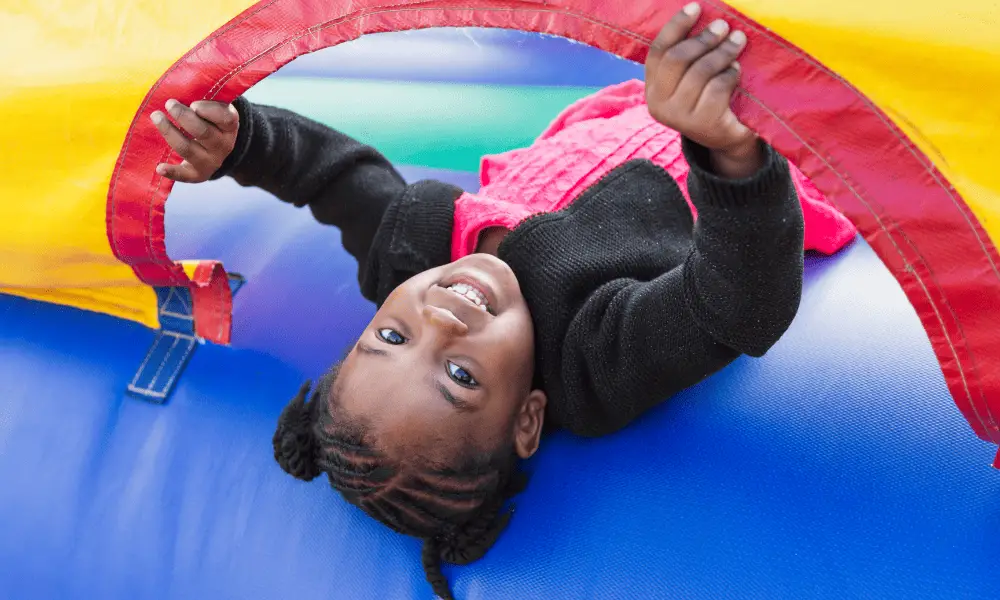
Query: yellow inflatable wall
x,y
81,207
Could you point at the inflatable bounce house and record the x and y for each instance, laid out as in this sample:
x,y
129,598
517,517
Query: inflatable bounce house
x,y
139,391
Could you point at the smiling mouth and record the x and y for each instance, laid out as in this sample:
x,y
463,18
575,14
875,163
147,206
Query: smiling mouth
x,y
472,295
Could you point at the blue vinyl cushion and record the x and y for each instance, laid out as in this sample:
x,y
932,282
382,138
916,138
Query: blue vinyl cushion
x,y
835,467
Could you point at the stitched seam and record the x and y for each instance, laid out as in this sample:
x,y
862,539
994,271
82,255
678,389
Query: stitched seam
x,y
872,108
805,143
928,167
180,365
142,107
394,8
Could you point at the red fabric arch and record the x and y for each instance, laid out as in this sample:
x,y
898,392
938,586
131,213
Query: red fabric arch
x,y
865,165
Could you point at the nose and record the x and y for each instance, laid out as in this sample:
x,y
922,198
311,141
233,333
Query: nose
x,y
445,321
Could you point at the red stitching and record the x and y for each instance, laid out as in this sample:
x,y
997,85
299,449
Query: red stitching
x,y
145,102
880,215
845,180
915,152
402,8
882,219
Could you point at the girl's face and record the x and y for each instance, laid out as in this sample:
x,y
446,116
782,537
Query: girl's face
x,y
447,362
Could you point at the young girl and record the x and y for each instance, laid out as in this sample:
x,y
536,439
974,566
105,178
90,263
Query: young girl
x,y
574,290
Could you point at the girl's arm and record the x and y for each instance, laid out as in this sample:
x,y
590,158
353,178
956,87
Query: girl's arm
x,y
635,343
343,182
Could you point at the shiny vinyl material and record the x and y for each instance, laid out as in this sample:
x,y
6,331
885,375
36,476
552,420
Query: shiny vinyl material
x,y
837,466
885,106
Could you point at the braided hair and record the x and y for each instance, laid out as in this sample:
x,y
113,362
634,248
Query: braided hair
x,y
458,510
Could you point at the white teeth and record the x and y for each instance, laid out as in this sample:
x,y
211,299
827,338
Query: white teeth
x,y
470,293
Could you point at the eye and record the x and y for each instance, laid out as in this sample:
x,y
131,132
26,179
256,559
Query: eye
x,y
390,336
461,376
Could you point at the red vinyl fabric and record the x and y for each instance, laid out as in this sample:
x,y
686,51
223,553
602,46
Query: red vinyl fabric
x,y
905,208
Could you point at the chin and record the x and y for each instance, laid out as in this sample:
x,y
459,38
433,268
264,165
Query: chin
x,y
483,260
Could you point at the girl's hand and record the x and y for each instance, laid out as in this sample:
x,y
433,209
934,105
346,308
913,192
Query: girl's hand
x,y
210,129
689,87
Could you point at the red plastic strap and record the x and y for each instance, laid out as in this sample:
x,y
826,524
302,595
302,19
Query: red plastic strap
x,y
864,164
213,302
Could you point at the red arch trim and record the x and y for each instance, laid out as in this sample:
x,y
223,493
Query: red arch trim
x,y
913,218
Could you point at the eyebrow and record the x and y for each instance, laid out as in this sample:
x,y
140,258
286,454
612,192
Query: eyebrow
x,y
450,398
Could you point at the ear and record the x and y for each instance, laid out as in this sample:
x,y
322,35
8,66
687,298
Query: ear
x,y
528,424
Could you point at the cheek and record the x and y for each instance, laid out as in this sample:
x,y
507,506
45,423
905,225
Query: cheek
x,y
514,339
413,287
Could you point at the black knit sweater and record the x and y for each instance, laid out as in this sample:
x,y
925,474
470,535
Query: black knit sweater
x,y
631,300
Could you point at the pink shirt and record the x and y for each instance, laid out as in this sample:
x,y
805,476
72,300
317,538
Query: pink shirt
x,y
586,141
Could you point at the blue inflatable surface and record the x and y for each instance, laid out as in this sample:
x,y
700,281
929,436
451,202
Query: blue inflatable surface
x,y
835,467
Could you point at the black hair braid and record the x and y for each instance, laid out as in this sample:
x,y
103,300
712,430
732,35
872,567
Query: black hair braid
x,y
430,556
458,511
470,541
294,442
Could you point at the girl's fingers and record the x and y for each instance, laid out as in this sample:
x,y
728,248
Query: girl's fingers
x,y
717,95
716,103
202,131
676,29
195,155
223,116
680,58
184,172
186,148
695,84
199,129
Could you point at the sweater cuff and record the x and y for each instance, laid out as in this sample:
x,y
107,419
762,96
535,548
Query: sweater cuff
x,y
768,186
413,236
247,114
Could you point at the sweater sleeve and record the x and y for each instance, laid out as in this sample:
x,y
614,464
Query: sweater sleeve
x,y
635,343
343,182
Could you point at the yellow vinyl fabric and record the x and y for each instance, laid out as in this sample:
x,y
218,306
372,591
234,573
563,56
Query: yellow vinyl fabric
x,y
933,68
74,73
71,78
